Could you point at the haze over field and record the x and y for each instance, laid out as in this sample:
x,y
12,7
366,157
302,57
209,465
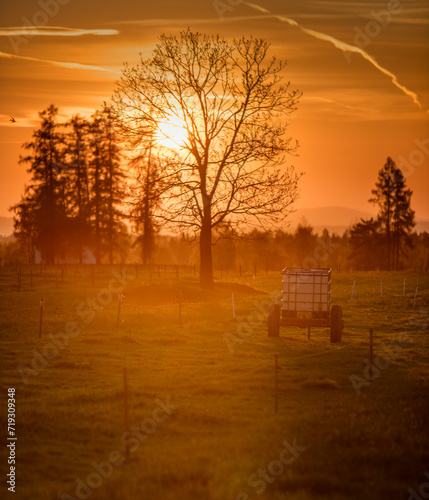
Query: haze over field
x,y
175,322
361,65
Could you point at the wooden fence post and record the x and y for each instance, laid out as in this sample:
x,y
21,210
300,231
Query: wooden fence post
x,y
233,306
371,352
42,302
276,396
126,412
120,297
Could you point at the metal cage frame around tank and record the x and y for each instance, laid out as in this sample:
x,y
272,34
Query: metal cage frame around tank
x,y
306,297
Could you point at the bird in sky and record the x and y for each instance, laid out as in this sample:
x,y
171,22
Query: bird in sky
x,y
12,119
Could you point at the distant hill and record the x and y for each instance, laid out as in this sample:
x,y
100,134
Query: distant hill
x,y
6,226
337,219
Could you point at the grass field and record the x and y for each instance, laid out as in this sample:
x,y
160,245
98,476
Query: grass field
x,y
201,422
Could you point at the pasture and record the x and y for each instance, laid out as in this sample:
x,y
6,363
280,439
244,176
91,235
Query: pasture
x,y
197,417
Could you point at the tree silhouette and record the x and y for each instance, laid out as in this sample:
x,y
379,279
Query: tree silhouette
x,y
395,213
44,203
366,242
227,172
77,185
144,197
25,226
106,177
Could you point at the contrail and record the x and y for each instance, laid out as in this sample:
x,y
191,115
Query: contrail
x,y
56,63
344,47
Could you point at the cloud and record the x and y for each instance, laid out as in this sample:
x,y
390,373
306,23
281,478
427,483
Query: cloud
x,y
53,31
60,64
188,21
344,47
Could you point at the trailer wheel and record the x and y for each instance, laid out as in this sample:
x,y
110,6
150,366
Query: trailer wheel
x,y
336,323
273,322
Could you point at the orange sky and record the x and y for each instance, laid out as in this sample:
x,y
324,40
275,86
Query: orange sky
x,y
365,81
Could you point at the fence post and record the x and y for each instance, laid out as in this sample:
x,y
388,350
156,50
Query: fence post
x,y
371,340
415,296
276,396
120,297
353,291
42,301
127,424
233,306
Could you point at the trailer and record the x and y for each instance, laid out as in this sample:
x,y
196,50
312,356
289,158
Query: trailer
x,y
306,302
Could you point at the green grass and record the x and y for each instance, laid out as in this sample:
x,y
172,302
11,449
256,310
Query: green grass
x,y
369,446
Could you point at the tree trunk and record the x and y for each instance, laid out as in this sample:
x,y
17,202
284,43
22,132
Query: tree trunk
x,y
206,260
389,251
398,243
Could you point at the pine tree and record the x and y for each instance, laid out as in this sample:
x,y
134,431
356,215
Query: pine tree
x,y
44,201
395,215
365,239
77,185
114,177
403,218
106,184
25,226
145,200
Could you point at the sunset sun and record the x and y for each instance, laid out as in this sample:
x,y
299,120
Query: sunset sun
x,y
172,133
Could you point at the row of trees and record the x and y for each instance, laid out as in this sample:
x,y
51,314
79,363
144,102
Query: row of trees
x,y
82,190
74,197
270,250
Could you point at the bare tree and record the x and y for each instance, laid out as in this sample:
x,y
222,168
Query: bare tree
x,y
228,105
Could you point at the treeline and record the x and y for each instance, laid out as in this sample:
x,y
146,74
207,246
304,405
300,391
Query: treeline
x,y
74,202
89,202
258,251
